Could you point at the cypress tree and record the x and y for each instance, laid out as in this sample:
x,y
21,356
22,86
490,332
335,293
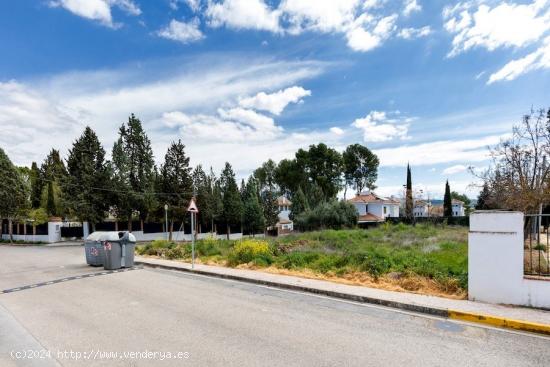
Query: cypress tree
x,y
408,196
447,201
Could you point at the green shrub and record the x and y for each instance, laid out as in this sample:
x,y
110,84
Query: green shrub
x,y
159,243
248,250
208,247
376,264
334,214
178,252
298,260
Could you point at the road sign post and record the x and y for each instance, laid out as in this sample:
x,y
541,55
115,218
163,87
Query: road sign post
x,y
193,210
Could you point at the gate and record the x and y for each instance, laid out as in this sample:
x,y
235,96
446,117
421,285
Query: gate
x,y
69,230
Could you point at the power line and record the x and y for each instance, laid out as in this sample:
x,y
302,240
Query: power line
x,y
125,191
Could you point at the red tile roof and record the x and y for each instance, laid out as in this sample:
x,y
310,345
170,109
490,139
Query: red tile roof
x,y
369,218
372,198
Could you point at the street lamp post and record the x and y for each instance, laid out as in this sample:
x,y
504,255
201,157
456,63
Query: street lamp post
x,y
166,219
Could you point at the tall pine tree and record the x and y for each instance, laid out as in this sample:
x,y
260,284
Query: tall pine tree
x,y
484,198
299,204
232,204
134,171
360,168
88,180
52,174
176,182
203,187
36,185
253,218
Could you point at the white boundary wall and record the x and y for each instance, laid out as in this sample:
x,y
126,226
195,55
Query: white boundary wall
x,y
181,236
495,262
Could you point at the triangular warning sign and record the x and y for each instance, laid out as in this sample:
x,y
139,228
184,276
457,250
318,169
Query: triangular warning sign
x,y
193,206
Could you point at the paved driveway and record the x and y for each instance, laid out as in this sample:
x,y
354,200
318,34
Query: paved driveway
x,y
206,321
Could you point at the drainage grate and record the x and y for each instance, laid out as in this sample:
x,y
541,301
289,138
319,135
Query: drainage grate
x,y
66,279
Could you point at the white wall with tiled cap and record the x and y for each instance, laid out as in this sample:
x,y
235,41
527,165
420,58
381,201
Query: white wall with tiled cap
x,y
495,262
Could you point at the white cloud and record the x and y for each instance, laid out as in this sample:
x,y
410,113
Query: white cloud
x,y
539,59
243,14
367,33
251,118
411,6
104,99
181,31
470,150
378,127
276,102
194,5
31,122
453,170
504,25
97,10
412,33
319,15
210,128
336,130
365,24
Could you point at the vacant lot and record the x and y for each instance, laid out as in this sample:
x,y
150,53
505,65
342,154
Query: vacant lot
x,y
424,259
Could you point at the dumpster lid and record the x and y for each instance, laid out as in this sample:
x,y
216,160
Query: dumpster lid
x,y
110,236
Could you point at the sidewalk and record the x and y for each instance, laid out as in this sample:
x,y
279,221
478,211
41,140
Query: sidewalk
x,y
521,318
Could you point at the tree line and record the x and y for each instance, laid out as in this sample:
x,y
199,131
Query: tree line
x,y
86,186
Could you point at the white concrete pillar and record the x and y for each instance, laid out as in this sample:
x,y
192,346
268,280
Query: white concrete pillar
x,y
54,232
495,257
85,230
495,262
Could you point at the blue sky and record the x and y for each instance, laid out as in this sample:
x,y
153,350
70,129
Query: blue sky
x,y
432,83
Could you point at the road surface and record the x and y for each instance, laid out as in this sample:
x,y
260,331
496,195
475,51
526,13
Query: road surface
x,y
136,318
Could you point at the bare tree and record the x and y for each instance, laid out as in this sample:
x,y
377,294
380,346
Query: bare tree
x,y
519,176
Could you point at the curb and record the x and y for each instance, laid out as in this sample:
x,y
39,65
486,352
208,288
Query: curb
x,y
500,322
495,321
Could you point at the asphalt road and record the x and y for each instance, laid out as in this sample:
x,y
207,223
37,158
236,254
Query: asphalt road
x,y
206,321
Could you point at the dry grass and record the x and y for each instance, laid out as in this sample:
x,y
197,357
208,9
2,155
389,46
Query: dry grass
x,y
409,284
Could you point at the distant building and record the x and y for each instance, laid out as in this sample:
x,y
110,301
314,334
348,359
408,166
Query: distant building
x,y
373,208
458,208
427,209
284,225
422,208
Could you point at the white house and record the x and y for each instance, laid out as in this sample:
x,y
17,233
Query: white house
x,y
373,208
458,208
284,224
422,208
